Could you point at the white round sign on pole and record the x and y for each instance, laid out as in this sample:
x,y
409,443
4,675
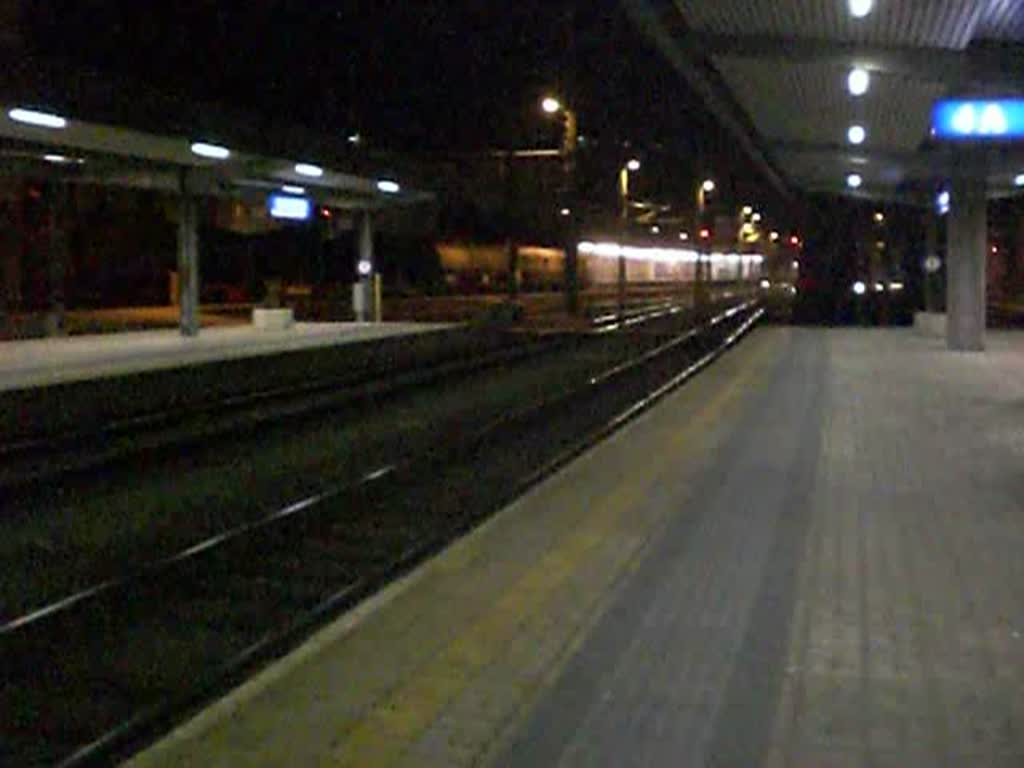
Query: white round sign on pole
x,y
932,264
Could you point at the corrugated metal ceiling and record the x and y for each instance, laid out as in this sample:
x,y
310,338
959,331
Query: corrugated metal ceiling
x,y
794,102
934,23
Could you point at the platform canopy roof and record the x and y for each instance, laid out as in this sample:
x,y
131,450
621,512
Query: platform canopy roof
x,y
775,72
122,134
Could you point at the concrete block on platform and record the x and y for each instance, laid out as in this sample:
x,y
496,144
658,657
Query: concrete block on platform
x,y
930,323
273,319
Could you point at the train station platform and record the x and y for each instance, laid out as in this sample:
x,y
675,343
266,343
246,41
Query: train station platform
x,y
43,362
808,556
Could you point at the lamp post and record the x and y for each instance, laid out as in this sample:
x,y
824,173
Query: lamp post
x,y
705,188
570,139
632,166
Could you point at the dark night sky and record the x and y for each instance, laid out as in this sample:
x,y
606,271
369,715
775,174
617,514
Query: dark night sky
x,y
412,75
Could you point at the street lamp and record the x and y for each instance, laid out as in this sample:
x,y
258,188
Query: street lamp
x,y
705,188
631,166
570,136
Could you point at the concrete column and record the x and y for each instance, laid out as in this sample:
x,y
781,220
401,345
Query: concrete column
x,y
965,265
364,269
188,259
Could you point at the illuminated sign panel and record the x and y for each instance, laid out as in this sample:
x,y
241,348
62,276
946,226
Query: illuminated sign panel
x,y
293,208
978,119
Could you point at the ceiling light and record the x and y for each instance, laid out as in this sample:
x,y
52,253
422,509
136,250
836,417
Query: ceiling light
x,y
854,180
858,81
551,105
306,169
212,151
39,119
633,165
1018,180
856,134
861,8
388,187
292,189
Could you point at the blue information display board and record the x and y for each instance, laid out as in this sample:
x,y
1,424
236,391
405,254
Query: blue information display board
x,y
978,119
288,207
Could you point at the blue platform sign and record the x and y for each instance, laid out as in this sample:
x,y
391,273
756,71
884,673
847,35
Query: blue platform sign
x,y
978,119
289,207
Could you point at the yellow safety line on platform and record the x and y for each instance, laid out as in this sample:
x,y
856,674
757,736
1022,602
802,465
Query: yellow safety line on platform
x,y
388,730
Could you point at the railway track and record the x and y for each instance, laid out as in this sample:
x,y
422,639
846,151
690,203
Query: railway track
x,y
90,676
34,458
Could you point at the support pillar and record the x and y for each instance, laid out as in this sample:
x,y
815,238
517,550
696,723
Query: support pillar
x,y
931,251
965,265
188,259
10,265
364,294
56,196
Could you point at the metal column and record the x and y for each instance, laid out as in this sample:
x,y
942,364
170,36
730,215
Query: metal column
x,y
363,295
56,197
965,265
931,254
188,259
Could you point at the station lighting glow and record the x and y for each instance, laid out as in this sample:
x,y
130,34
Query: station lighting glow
x,y
756,218
307,169
854,180
859,288
36,118
766,284
895,286
747,210
705,234
212,151
655,230
942,202
684,236
796,264
773,236
364,267
389,187
291,208
1018,180
856,134
564,212
861,8
62,159
551,105
292,189
879,287
978,119
858,81
708,185
633,165
354,138
794,240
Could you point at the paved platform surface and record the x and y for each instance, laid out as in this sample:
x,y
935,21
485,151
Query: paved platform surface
x,y
40,362
808,556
